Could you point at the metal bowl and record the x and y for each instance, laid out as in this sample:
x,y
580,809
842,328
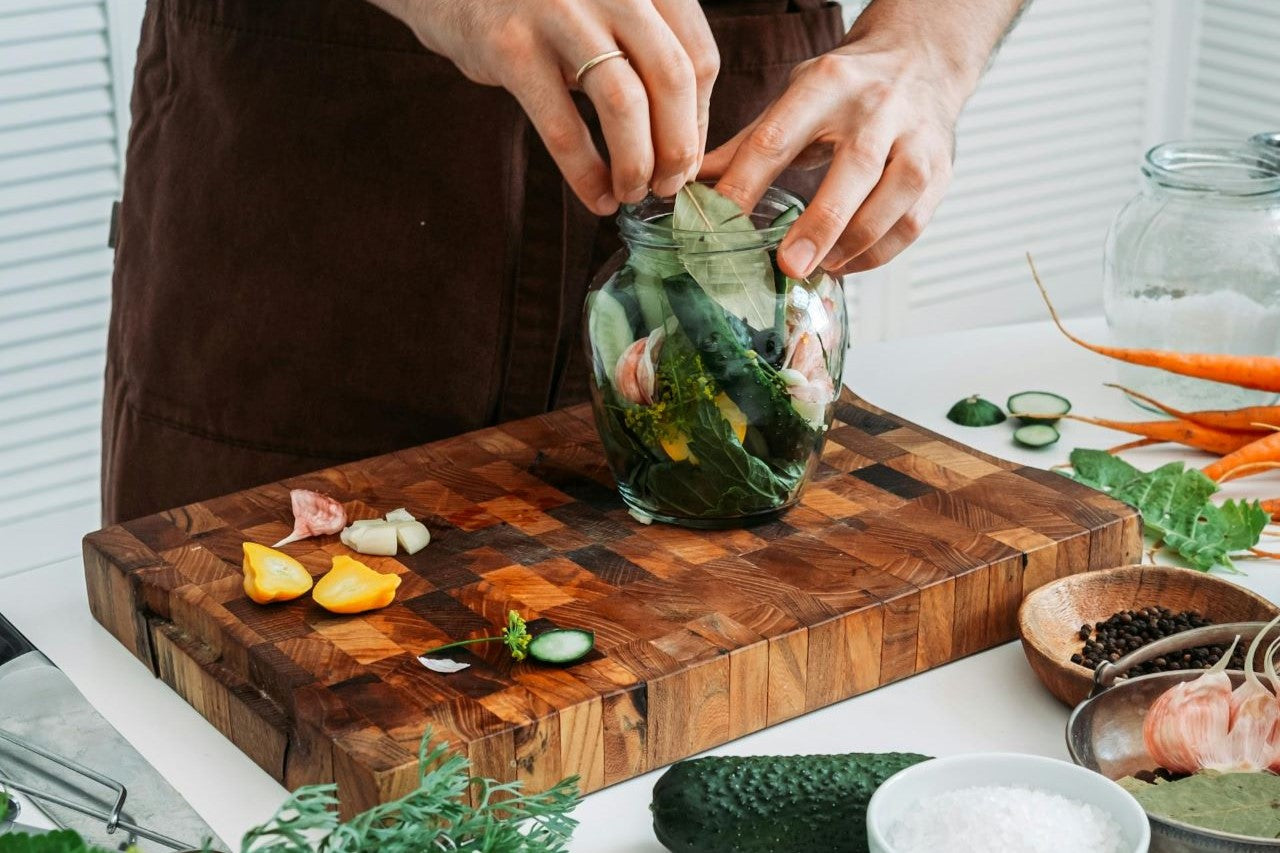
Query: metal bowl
x,y
1104,732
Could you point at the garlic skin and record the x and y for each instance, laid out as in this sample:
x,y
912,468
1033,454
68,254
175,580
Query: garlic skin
x,y
1190,721
1204,724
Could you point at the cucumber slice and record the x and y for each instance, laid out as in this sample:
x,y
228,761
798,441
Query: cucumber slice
x,y
1029,403
610,330
1036,435
786,217
974,411
562,645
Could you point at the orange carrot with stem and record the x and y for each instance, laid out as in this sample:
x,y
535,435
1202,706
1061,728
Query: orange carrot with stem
x,y
1244,419
1262,450
1260,372
1219,441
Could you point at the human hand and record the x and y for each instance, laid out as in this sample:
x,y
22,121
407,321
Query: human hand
x,y
884,118
652,109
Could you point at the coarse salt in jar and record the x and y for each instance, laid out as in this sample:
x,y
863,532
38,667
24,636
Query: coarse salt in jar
x,y
1193,264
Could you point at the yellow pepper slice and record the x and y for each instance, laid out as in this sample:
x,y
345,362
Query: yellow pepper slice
x,y
271,575
676,444
352,587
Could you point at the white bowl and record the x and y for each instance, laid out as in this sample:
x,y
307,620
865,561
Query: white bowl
x,y
900,794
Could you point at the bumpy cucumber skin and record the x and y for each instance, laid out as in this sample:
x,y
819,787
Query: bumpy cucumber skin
x,y
769,804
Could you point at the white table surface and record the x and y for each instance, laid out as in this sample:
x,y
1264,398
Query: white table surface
x,y
990,701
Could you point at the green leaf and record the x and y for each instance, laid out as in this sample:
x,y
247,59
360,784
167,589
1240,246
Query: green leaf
x,y
437,815
1102,470
62,841
1176,506
721,250
727,479
1240,803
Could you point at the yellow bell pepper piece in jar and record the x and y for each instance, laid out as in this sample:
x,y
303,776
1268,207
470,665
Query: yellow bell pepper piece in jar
x,y
676,444
352,587
271,575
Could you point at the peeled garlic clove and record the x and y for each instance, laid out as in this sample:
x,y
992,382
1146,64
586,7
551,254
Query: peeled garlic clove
x,y
379,540
400,514
413,536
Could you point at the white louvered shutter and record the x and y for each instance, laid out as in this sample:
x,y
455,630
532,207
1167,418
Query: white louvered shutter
x,y
59,173
1236,84
1047,151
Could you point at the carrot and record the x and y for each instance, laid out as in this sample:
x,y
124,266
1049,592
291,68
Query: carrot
x,y
1272,506
1132,445
1245,418
1260,372
1262,450
1247,469
1219,441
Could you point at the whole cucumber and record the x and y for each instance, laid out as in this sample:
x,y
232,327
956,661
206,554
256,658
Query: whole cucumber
x,y
770,804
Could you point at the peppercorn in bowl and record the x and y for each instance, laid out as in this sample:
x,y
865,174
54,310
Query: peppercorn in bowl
x,y
1070,626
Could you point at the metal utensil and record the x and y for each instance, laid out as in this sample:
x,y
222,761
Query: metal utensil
x,y
56,749
1104,732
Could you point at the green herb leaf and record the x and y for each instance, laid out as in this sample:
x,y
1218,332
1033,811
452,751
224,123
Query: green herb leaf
x,y
62,841
716,239
727,479
1177,511
1240,803
434,816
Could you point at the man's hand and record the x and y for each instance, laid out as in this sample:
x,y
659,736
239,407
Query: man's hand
x,y
652,108
881,109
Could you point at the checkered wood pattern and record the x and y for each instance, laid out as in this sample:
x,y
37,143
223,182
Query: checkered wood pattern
x,y
907,551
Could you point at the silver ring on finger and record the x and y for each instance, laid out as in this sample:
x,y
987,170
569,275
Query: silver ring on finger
x,y
594,61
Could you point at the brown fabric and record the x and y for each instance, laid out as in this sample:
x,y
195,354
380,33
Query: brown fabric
x,y
333,245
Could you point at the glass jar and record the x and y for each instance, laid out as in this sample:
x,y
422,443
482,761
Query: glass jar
x,y
1269,139
1193,264
713,374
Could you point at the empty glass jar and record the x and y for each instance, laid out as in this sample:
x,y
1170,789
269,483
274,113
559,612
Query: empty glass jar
x,y
1193,264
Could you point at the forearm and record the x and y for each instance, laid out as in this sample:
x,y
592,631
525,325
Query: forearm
x,y
957,37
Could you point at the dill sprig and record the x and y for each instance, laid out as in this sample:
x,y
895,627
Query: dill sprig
x,y
434,816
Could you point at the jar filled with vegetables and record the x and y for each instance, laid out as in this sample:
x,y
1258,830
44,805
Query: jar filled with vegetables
x,y
1193,265
714,374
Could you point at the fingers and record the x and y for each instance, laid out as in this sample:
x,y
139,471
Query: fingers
x,y
689,24
623,107
905,179
760,153
542,93
855,171
666,74
904,232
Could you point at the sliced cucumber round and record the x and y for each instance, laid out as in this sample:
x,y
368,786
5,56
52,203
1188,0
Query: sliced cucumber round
x,y
1038,407
1036,435
975,412
562,645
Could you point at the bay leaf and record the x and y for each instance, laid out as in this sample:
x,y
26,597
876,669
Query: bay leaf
x,y
1240,803
716,247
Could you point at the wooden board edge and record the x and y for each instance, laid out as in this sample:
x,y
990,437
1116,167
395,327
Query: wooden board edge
x,y
113,602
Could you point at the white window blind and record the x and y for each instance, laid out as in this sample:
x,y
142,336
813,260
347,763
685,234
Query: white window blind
x,y
1047,151
1236,84
59,173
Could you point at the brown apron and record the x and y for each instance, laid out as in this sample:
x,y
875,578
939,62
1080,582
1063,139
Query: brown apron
x,y
333,245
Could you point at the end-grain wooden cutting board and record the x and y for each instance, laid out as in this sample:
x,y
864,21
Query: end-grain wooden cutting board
x,y
908,551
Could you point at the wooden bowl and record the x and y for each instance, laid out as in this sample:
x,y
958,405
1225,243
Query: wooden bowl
x,y
1050,617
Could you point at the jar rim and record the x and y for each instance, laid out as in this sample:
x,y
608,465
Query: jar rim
x,y
637,222
1215,167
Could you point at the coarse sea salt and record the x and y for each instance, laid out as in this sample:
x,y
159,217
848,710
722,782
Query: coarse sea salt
x,y
1005,819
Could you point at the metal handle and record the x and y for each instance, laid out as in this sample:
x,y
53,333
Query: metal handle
x,y
1210,635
